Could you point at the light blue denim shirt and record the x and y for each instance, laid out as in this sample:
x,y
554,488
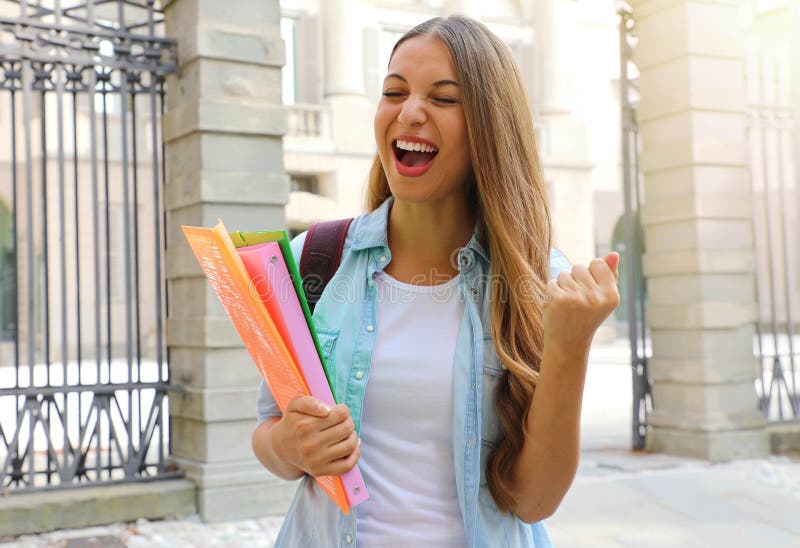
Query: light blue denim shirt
x,y
346,320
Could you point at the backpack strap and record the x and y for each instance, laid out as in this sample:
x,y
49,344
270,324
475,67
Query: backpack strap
x,y
322,253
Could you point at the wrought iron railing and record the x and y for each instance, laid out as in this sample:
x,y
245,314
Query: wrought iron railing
x,y
84,377
308,121
776,243
635,289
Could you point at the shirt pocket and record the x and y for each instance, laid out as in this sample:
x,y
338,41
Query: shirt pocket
x,y
493,373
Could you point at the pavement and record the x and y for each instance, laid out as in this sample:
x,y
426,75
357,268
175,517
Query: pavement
x,y
620,498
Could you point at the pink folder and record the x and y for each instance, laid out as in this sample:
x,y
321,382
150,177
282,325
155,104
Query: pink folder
x,y
225,271
270,279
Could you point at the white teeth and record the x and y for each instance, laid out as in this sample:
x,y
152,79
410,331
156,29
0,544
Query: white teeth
x,y
419,147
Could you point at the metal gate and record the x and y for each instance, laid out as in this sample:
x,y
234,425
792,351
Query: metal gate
x,y
634,289
775,180
83,365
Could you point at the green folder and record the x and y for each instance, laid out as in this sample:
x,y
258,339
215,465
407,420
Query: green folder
x,y
244,239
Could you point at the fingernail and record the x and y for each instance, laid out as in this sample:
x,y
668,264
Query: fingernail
x,y
323,408
359,442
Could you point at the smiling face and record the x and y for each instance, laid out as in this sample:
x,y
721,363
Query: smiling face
x,y
420,129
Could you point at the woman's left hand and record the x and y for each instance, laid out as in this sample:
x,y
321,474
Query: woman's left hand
x,y
577,302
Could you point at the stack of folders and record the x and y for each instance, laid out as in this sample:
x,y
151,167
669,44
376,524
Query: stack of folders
x,y
256,278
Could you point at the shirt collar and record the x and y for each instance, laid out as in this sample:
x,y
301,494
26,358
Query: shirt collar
x,y
372,231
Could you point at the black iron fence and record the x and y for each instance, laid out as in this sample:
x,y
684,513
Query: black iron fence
x,y
635,288
83,364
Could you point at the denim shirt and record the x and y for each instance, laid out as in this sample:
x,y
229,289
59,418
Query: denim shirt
x,y
346,321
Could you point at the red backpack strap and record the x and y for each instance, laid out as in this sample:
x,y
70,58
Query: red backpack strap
x,y
322,253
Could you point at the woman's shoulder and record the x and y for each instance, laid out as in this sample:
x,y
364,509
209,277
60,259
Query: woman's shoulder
x,y
298,242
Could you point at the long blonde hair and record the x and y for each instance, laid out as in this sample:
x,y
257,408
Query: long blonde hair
x,y
507,196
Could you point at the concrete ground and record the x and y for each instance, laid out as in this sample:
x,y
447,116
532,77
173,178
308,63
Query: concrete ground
x,y
620,498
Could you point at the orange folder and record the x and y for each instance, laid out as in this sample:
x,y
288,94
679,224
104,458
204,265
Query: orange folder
x,y
225,271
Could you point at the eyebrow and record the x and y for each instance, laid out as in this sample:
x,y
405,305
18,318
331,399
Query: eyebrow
x,y
438,83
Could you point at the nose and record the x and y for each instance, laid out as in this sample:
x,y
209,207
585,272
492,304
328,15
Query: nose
x,y
412,112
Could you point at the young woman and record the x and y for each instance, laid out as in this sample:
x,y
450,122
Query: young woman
x,y
448,314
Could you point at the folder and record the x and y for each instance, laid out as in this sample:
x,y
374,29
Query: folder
x,y
271,280
217,255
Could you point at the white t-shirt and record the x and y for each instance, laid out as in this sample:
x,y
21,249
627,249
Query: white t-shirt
x,y
407,421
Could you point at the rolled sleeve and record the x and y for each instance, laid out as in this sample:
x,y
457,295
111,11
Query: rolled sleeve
x,y
266,406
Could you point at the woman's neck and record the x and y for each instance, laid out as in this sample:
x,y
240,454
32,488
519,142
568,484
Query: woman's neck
x,y
423,238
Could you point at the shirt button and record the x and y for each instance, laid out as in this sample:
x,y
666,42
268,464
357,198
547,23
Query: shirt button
x,y
474,291
370,328
359,374
469,497
472,441
349,538
382,258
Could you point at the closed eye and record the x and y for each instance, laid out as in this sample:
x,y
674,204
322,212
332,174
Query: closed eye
x,y
445,100
392,94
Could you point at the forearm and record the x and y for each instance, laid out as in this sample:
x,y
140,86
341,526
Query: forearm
x,y
549,457
264,449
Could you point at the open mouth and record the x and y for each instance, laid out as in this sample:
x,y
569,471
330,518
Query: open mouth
x,y
413,153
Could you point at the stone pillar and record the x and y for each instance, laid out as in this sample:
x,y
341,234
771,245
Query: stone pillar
x,y
697,221
344,48
223,131
351,112
553,96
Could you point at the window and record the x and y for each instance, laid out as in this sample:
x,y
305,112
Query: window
x,y
289,71
378,48
305,183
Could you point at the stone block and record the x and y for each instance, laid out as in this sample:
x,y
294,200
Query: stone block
x,y
179,260
714,446
193,298
223,153
216,404
215,187
211,441
201,367
683,28
696,261
707,369
30,513
247,117
252,500
234,216
245,485
689,207
784,437
221,474
202,332
701,315
711,344
215,80
245,33
706,180
706,288
693,137
688,83
701,233
242,46
705,407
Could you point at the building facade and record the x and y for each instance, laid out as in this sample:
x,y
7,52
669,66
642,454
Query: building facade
x,y
337,54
